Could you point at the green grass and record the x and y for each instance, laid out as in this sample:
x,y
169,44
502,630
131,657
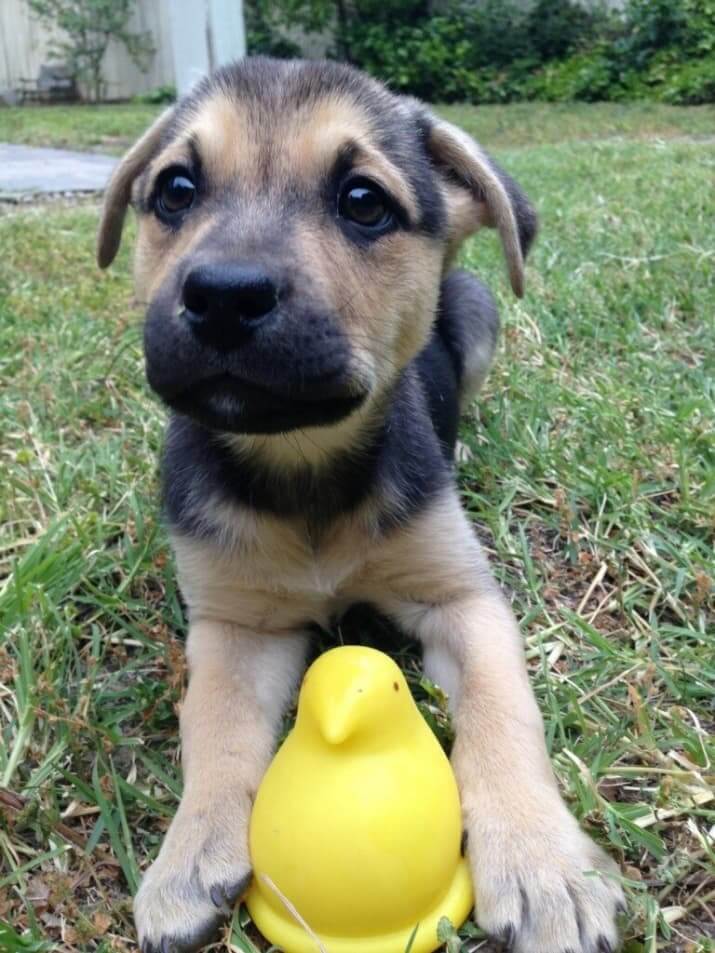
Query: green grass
x,y
531,124
592,481
112,128
101,128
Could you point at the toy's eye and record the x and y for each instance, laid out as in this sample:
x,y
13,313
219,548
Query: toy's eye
x,y
176,192
365,204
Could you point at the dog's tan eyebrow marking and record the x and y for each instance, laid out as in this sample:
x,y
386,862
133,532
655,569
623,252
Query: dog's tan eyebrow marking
x,y
181,152
363,159
229,137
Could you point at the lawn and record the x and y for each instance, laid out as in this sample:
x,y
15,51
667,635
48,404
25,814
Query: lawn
x,y
591,480
112,128
99,128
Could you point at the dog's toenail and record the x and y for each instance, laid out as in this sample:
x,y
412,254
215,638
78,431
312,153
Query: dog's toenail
x,y
236,890
507,936
604,946
218,897
525,908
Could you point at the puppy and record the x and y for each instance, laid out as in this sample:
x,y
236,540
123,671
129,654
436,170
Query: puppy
x,y
297,226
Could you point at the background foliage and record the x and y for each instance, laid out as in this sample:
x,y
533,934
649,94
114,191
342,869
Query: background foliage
x,y
496,51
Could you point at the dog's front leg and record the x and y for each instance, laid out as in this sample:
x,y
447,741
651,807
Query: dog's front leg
x,y
239,686
541,884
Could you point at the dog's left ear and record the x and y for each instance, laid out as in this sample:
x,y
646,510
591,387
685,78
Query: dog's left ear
x,y
479,193
119,189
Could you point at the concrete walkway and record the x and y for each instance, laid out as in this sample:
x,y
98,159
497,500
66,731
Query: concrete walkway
x,y
28,171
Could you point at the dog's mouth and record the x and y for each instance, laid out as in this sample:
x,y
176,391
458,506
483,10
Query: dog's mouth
x,y
229,403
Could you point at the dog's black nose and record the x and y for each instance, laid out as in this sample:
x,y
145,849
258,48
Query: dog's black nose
x,y
219,296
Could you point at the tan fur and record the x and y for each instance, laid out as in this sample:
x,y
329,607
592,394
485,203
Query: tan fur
x,y
228,139
253,585
315,132
119,189
158,252
386,298
465,218
433,579
458,151
309,446
238,687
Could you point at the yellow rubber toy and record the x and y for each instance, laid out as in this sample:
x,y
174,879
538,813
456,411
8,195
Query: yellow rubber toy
x,y
356,829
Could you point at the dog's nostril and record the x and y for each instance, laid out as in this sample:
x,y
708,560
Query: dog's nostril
x,y
257,299
195,302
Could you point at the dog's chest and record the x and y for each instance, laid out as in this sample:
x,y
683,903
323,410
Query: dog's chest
x,y
268,572
289,558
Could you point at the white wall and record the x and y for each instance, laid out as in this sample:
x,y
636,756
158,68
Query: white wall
x,y
24,41
205,34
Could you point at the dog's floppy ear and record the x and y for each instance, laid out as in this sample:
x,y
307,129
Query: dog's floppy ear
x,y
480,193
119,189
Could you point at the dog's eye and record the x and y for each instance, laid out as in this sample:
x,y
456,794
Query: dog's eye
x,y
365,204
176,192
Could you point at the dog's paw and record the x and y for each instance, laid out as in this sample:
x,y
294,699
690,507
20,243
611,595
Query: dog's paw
x,y
189,891
547,891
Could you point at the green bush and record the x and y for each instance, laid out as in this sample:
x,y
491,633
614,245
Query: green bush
x,y
588,76
263,31
424,61
158,95
686,26
482,54
502,50
557,29
656,49
683,83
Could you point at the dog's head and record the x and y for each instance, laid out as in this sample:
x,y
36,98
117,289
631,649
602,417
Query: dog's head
x,y
295,222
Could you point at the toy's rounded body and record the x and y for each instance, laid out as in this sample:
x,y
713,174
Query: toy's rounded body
x,y
357,822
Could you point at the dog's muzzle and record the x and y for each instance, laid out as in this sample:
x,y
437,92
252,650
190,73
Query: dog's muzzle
x,y
242,354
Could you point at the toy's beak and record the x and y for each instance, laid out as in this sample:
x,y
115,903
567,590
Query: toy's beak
x,y
337,718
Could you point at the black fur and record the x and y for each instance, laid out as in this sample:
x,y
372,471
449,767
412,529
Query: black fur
x,y
291,370
467,316
527,222
402,467
440,374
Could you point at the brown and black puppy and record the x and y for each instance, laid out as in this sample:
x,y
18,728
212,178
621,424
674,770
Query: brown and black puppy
x,y
297,223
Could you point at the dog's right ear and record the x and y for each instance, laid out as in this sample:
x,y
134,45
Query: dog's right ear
x,y
119,189
478,193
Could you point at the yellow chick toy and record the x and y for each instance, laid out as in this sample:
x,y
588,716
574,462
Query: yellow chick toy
x,y
356,829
